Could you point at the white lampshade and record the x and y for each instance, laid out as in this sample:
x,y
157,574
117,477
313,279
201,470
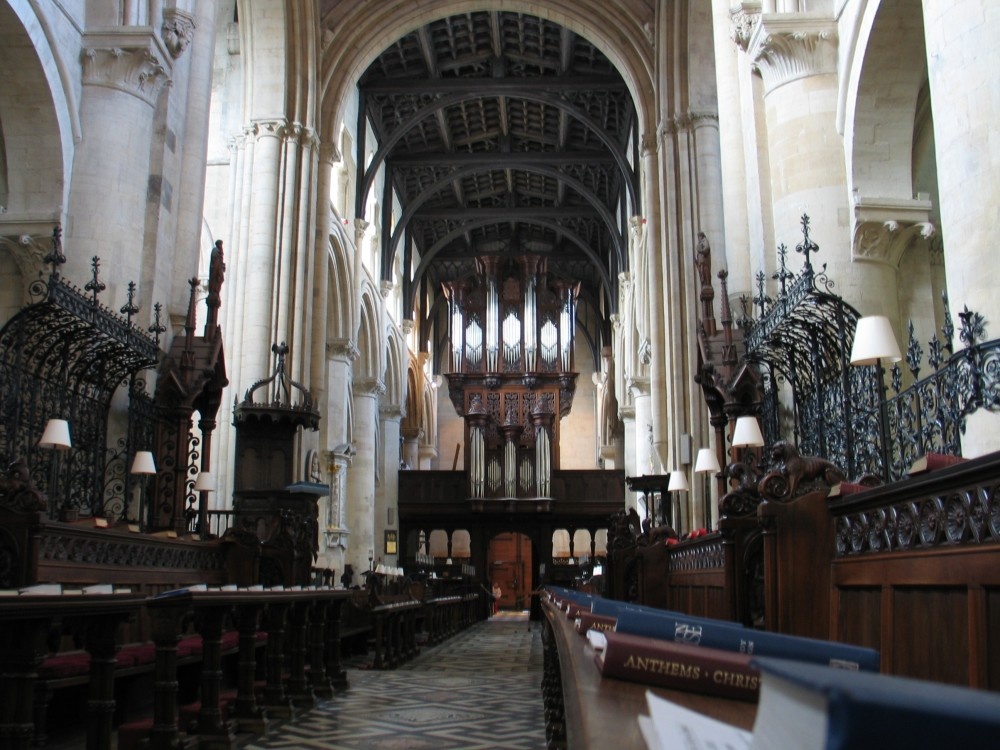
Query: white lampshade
x,y
205,482
874,341
707,461
747,433
143,463
56,435
678,481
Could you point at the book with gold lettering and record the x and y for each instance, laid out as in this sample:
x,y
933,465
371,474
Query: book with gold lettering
x,y
678,666
588,620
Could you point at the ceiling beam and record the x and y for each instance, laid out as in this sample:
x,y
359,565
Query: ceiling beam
x,y
510,86
502,160
504,215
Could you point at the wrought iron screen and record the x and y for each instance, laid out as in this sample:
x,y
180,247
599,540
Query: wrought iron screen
x,y
64,355
803,338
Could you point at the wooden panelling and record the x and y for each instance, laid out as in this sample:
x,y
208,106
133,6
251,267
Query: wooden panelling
x,y
933,623
858,619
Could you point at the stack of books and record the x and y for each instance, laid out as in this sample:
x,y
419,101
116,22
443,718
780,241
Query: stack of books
x,y
811,694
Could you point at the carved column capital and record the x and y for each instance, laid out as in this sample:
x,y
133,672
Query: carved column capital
x,y
344,349
743,21
126,62
385,288
785,48
638,386
177,31
391,412
885,228
259,129
368,387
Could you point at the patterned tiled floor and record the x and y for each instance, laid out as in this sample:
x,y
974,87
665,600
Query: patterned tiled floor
x,y
479,689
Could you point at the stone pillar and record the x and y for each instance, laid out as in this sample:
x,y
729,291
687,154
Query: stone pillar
x,y
257,271
123,75
796,55
387,489
179,28
411,446
360,506
646,460
628,419
744,157
958,34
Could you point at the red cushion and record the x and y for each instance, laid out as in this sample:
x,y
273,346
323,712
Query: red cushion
x,y
130,736
230,640
137,654
189,646
72,664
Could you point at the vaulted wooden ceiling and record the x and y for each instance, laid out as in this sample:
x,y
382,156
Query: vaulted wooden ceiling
x,y
502,133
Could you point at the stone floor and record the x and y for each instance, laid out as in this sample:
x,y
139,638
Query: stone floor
x,y
479,689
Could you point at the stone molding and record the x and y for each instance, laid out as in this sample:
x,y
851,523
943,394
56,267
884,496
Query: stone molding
x,y
787,47
687,121
885,228
126,62
638,386
177,31
385,288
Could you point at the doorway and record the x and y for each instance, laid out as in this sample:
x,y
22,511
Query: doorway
x,y
509,562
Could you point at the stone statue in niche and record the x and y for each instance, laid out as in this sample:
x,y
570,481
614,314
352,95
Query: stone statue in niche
x,y
703,260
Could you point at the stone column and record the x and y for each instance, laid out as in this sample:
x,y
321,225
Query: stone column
x,y
360,505
179,29
962,36
748,217
124,71
646,461
257,272
387,490
796,55
411,446
627,414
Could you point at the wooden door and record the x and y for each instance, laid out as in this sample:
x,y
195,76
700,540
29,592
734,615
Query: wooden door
x,y
509,562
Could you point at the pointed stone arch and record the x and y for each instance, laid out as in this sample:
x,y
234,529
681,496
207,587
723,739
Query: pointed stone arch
x,y
370,365
357,32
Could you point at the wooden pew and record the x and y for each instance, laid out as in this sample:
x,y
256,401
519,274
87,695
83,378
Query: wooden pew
x,y
25,622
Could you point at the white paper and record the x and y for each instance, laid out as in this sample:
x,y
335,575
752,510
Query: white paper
x,y
681,728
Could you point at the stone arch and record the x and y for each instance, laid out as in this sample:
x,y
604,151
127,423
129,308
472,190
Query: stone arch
x,y
40,118
395,372
360,32
371,361
341,312
882,100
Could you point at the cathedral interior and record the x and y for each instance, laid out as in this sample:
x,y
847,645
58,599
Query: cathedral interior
x,y
479,289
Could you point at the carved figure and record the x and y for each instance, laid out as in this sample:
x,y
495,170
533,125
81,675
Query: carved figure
x,y
703,260
18,492
786,459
